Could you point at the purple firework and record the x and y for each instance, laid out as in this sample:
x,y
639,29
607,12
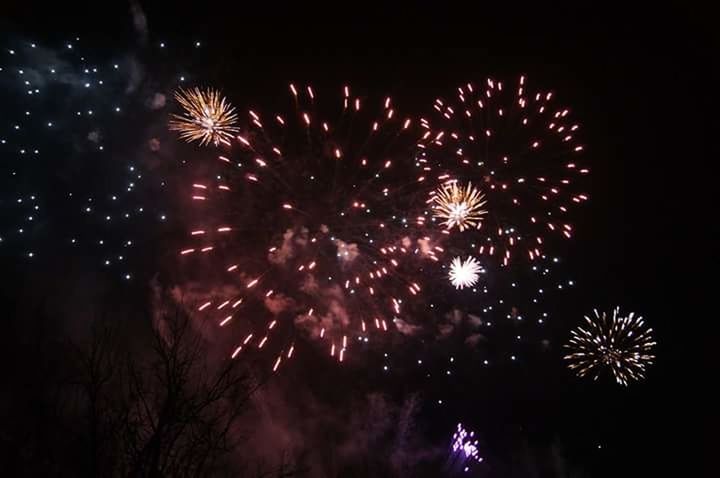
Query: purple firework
x,y
464,450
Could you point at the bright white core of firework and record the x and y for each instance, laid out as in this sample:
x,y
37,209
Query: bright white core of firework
x,y
464,273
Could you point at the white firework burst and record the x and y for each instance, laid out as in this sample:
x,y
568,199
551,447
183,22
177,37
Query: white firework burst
x,y
465,273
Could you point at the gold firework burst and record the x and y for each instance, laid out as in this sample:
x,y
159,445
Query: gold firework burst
x,y
208,117
621,344
459,206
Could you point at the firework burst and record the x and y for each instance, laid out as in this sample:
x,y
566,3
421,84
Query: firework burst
x,y
208,117
88,118
331,249
519,152
463,450
621,344
459,207
521,148
464,273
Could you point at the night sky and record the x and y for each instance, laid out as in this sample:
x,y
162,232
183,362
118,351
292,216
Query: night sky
x,y
640,83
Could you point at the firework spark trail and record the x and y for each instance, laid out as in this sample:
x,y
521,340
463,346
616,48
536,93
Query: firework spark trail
x,y
521,148
207,117
621,345
463,450
329,198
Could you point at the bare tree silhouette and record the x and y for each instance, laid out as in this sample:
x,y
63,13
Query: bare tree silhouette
x,y
170,413
146,404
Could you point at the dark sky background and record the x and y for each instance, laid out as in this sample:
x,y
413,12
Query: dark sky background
x,y
641,82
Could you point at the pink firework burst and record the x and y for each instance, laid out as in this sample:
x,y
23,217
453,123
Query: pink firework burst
x,y
304,215
521,150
